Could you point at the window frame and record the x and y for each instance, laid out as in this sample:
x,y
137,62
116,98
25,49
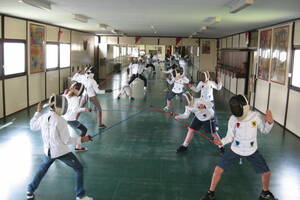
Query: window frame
x,y
290,79
3,41
58,57
59,63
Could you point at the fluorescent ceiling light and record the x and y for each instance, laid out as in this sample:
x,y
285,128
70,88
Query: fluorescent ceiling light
x,y
237,5
212,20
81,18
103,26
203,28
42,4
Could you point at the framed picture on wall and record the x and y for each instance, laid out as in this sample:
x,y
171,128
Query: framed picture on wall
x,y
206,47
37,48
280,54
264,56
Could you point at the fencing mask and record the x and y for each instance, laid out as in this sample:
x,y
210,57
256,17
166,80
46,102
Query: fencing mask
x,y
239,106
189,99
77,88
204,77
59,103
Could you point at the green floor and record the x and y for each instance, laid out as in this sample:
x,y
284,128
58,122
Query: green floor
x,y
136,159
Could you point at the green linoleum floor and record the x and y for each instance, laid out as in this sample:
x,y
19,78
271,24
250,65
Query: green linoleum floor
x,y
136,159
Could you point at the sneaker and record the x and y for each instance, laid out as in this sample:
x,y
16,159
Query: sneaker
x,y
132,99
209,196
81,149
145,88
84,198
102,126
29,195
266,196
166,108
181,148
118,98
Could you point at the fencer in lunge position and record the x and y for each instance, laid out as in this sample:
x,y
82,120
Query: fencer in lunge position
x,y
204,117
242,134
179,80
56,138
91,91
126,90
136,68
73,95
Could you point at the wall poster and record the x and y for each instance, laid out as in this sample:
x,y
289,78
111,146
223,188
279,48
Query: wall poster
x,y
37,48
280,54
264,56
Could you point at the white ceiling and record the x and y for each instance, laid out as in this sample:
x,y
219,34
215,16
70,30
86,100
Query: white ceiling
x,y
169,17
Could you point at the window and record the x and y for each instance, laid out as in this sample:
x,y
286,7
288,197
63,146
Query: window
x,y
135,52
64,55
129,50
51,56
14,58
123,51
116,52
296,69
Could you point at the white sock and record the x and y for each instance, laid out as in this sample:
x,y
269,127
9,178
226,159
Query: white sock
x,y
185,144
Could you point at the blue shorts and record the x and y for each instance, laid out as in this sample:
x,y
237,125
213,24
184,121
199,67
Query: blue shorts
x,y
171,95
257,161
208,125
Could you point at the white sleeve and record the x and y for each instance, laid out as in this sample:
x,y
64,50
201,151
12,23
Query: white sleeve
x,y
170,81
35,122
78,77
167,71
185,80
198,88
216,86
65,135
185,115
96,89
264,126
230,133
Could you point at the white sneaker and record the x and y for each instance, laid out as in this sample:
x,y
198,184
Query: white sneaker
x,y
166,108
145,88
84,198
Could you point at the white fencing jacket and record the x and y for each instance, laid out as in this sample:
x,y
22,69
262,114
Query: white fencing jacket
x,y
178,84
136,68
55,133
243,134
207,89
91,86
73,108
202,114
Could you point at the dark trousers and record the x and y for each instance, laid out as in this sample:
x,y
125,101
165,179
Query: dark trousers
x,y
134,76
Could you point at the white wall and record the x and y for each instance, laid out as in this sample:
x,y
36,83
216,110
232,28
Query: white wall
x,y
293,113
278,102
52,83
1,100
15,94
208,62
261,97
241,85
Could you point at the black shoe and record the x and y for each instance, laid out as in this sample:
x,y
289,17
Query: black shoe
x,y
29,195
209,196
118,98
181,148
222,151
132,99
266,196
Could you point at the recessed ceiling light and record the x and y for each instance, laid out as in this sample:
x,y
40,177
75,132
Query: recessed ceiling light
x,y
237,5
42,4
81,18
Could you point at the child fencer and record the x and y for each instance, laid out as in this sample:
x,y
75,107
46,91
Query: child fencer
x,y
56,138
73,95
203,117
91,91
179,80
126,90
206,87
136,68
242,134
